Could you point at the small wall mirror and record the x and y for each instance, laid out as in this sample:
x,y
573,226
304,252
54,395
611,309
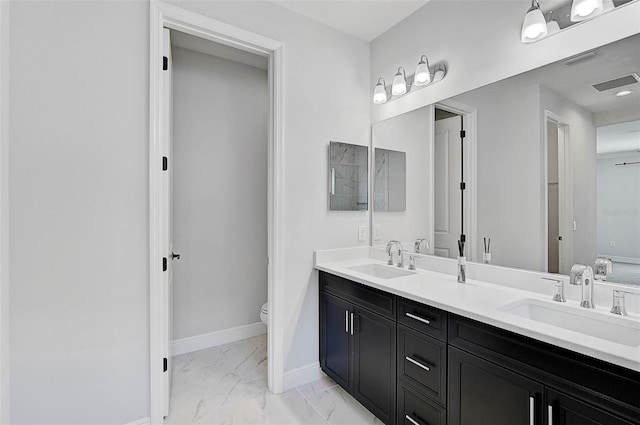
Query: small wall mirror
x,y
390,180
348,177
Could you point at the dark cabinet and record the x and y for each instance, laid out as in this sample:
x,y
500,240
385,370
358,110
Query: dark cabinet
x,y
374,361
358,345
335,339
482,393
415,364
563,409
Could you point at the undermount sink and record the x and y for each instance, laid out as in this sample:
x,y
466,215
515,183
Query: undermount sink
x,y
380,271
611,328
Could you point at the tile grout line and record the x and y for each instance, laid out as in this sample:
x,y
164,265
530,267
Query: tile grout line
x,y
313,405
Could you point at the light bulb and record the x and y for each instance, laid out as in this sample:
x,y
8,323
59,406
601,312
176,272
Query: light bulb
x,y
399,85
583,9
534,26
423,75
380,93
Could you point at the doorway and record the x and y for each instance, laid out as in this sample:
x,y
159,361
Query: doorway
x,y
160,157
454,180
558,196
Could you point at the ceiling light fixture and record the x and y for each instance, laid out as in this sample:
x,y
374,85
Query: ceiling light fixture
x,y
380,92
423,74
534,26
584,9
399,85
624,93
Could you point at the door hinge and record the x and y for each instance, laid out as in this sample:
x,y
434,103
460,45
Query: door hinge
x,y
462,134
165,63
164,264
165,364
463,186
165,163
267,261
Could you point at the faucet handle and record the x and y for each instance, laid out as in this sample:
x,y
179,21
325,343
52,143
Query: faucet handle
x,y
558,292
412,261
618,306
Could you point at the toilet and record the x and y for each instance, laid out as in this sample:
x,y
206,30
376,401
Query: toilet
x,y
264,313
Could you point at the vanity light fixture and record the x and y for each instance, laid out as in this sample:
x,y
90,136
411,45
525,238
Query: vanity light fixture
x,y
422,76
380,92
584,9
534,26
399,85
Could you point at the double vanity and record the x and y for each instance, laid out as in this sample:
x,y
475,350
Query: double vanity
x,y
417,347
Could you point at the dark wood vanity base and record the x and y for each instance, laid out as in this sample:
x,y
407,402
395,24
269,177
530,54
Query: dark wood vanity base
x,y
410,363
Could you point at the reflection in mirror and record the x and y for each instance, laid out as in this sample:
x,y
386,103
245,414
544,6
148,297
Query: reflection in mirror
x,y
390,180
618,199
548,194
407,133
348,177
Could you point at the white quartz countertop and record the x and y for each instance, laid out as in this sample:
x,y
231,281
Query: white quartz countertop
x,y
480,300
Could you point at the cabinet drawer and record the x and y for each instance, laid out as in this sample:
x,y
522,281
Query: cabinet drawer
x,y
423,318
372,299
416,409
422,361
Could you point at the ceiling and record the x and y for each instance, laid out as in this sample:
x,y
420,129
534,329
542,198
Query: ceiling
x,y
364,19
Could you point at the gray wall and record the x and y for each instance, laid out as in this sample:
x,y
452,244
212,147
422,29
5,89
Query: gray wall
x,y
79,212
508,174
582,139
619,206
220,193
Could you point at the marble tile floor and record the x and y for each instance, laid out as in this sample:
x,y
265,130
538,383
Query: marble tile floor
x,y
228,385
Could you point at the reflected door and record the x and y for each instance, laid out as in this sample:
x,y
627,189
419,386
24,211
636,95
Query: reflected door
x,y
447,203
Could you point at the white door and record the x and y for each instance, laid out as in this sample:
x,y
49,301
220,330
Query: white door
x,y
166,141
447,202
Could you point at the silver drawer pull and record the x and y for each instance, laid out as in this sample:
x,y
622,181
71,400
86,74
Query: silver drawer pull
x,y
417,363
410,419
346,321
418,318
550,421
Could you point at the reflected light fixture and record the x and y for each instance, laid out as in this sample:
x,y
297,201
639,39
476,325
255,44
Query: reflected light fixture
x,y
584,9
380,92
423,74
534,26
399,85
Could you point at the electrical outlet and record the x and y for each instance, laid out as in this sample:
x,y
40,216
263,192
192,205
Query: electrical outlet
x,y
362,233
377,232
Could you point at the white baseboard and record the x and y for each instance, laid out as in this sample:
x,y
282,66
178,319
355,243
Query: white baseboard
x,y
302,375
225,336
628,260
141,421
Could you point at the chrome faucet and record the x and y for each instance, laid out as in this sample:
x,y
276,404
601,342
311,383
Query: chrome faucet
x,y
603,267
398,245
583,275
418,245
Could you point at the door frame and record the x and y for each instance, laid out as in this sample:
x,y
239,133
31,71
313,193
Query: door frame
x,y
164,15
565,193
470,119
4,212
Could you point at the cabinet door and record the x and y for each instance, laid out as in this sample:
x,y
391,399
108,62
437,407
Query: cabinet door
x,y
482,393
563,409
374,340
335,338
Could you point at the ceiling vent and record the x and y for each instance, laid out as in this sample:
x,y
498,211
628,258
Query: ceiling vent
x,y
617,82
574,60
